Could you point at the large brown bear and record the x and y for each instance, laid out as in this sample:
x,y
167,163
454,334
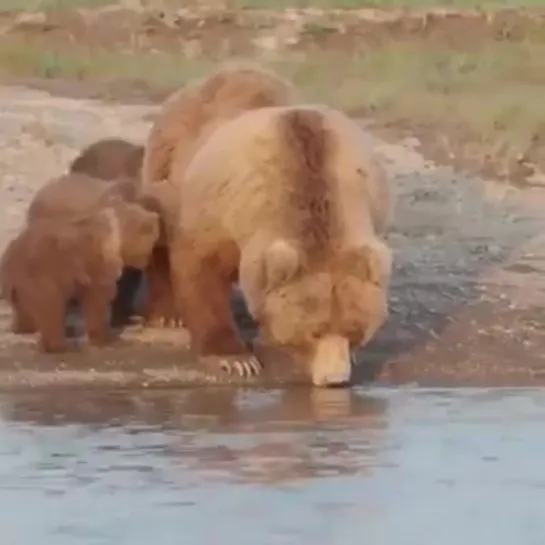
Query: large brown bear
x,y
75,194
55,260
185,120
287,201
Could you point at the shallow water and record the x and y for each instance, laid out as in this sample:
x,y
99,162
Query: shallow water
x,y
208,466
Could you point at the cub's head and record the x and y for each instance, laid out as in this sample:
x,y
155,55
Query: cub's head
x,y
110,159
139,233
318,313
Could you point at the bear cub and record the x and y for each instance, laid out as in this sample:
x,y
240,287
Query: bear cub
x,y
56,260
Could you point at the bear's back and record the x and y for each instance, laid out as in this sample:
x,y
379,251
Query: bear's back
x,y
70,195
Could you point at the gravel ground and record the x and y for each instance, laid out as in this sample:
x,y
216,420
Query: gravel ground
x,y
468,289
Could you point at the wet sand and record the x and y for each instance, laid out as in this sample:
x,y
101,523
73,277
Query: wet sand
x,y
467,295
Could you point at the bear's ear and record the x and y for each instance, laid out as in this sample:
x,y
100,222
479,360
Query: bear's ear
x,y
372,262
281,262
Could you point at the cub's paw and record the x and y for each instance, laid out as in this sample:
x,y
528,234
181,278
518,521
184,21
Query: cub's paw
x,y
58,346
163,322
104,338
21,328
243,365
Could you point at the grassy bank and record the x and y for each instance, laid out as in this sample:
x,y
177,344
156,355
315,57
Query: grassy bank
x,y
470,88
485,104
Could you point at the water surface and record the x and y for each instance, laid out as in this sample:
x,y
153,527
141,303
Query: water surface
x,y
205,466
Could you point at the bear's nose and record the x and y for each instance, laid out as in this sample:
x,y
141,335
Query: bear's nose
x,y
338,380
331,363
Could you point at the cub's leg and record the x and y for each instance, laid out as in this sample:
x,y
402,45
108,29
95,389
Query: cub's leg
x,y
22,322
49,314
203,295
160,307
123,304
96,301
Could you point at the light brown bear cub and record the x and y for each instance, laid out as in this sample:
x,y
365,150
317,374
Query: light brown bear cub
x,y
55,260
71,195
288,201
185,120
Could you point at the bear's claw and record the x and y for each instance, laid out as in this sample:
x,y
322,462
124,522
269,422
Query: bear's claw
x,y
243,366
162,322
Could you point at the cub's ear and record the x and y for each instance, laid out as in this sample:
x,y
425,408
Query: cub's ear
x,y
281,262
370,262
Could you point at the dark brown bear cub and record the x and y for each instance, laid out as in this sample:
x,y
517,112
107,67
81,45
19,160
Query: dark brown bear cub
x,y
76,194
120,161
110,159
55,260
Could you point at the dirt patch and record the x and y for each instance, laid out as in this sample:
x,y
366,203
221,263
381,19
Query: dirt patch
x,y
468,289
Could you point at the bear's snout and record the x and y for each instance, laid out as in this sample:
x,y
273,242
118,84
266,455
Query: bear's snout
x,y
331,362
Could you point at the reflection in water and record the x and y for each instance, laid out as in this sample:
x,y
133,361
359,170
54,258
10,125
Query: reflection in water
x,y
248,435
302,467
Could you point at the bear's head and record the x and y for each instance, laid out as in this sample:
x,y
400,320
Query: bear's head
x,y
139,233
319,311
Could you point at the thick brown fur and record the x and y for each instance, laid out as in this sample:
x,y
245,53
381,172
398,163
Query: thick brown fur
x,y
306,137
53,261
77,195
185,120
190,113
110,159
288,201
71,195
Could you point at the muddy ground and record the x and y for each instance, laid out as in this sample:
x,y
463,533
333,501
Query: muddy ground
x,y
468,292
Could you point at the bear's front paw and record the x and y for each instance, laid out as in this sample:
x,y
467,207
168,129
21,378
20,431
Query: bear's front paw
x,y
243,365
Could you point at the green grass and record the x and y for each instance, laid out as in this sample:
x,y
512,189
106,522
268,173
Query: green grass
x,y
493,93
351,4
42,5
33,5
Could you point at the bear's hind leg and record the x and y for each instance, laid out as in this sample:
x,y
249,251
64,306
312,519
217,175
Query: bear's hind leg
x,y
96,301
160,306
203,295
